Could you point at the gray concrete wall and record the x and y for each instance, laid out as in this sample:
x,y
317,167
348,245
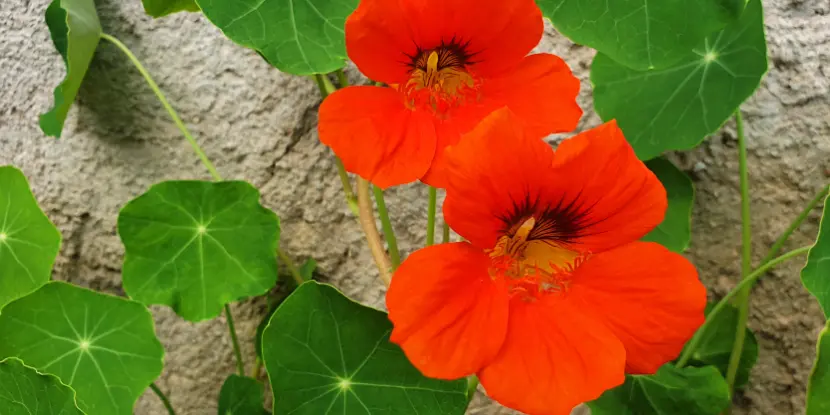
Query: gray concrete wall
x,y
259,125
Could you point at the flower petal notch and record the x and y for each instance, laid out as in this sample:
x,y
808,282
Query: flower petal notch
x,y
447,64
552,241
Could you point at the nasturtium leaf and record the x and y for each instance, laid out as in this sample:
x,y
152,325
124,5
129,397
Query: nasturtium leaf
x,y
715,346
25,391
640,34
75,31
327,354
29,242
102,346
300,37
241,396
675,231
307,272
816,273
196,246
676,107
670,391
818,388
160,8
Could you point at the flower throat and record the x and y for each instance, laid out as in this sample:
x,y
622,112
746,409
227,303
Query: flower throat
x,y
440,79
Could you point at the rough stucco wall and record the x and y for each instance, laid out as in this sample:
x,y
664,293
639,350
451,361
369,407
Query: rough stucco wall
x,y
259,125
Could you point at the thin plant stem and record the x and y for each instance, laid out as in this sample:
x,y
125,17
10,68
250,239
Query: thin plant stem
x,y
342,78
240,366
446,232
746,282
167,106
292,269
779,243
370,229
326,89
433,202
472,386
388,231
742,300
257,368
163,398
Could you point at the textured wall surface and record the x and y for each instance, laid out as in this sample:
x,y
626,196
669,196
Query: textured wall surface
x,y
259,125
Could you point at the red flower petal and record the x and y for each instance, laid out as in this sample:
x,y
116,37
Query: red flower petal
x,y
376,136
555,357
649,297
449,317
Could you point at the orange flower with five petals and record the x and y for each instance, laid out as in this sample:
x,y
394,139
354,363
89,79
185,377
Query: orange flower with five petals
x,y
553,298
448,64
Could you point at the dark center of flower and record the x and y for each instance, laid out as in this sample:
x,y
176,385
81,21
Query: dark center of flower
x,y
440,78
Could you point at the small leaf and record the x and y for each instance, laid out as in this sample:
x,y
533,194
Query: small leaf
x,y
75,30
104,347
327,354
300,37
675,108
161,8
675,231
241,396
640,34
818,388
816,273
307,272
715,346
29,242
197,246
24,390
670,391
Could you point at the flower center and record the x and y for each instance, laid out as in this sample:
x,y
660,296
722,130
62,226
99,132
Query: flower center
x,y
440,80
533,267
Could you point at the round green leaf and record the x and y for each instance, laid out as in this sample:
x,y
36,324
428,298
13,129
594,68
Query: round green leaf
x,y
640,34
104,347
160,8
307,272
816,273
241,396
197,246
675,231
327,354
818,388
25,391
670,391
75,31
29,242
300,37
676,107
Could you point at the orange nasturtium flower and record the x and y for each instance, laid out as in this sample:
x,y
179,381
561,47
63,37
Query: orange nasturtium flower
x,y
448,64
553,298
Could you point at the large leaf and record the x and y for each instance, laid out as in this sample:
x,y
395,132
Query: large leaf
x,y
670,391
160,8
29,242
818,388
327,354
197,246
301,37
241,396
75,30
676,107
715,346
104,347
675,231
25,391
640,34
816,278
307,272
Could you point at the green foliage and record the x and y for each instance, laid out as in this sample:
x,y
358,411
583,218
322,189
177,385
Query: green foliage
x,y
75,30
327,354
197,246
816,278
29,242
104,347
716,345
307,272
670,391
25,391
300,37
241,396
676,107
161,8
675,231
640,34
818,388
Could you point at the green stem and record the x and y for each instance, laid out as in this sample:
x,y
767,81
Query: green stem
x,y
257,369
445,237
167,106
746,282
742,300
472,386
342,78
240,367
388,232
326,89
292,269
163,398
433,202
779,243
